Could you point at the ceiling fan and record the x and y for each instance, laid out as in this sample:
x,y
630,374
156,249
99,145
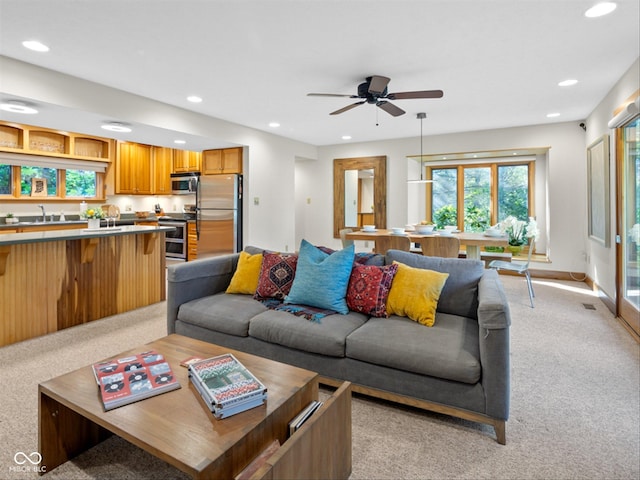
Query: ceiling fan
x,y
374,91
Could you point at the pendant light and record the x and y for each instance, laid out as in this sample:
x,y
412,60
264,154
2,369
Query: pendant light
x,y
421,116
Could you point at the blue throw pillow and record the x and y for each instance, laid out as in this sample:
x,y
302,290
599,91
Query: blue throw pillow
x,y
321,279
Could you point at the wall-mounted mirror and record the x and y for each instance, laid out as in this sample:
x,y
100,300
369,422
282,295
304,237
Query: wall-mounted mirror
x,y
359,193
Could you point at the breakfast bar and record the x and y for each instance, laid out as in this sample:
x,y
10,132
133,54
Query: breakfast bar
x,y
51,280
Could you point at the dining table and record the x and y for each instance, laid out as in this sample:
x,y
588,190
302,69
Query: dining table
x,y
473,241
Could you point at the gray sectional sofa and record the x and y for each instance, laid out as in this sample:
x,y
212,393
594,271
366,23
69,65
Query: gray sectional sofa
x,y
459,367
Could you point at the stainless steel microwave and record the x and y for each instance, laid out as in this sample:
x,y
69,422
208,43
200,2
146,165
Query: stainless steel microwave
x,y
184,183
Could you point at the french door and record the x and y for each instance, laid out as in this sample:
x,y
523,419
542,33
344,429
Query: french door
x,y
628,223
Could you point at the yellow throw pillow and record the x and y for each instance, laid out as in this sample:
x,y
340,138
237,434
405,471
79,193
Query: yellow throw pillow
x,y
415,293
245,279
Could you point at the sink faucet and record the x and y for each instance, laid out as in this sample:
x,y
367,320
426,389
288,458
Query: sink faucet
x,y
44,214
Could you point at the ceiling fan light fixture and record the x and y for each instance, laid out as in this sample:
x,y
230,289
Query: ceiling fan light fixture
x,y
15,106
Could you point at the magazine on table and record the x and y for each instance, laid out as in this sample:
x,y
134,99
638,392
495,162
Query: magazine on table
x,y
226,385
129,379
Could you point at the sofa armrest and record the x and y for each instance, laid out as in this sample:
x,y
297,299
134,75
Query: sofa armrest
x,y
200,278
494,320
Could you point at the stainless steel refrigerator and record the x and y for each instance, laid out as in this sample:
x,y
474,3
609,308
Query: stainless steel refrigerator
x,y
219,214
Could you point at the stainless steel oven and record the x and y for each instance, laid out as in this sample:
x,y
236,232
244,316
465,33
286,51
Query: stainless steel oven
x,y
175,240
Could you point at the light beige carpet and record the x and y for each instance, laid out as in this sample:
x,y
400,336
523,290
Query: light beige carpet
x,y
575,402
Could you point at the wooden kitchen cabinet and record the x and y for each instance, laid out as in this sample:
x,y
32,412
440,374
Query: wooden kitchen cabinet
x,y
186,161
19,138
133,169
192,241
224,160
162,165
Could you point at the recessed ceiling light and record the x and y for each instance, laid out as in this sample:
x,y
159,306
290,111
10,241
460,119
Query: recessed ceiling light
x,y
14,106
274,124
194,99
346,137
179,142
600,9
553,115
35,45
567,83
116,127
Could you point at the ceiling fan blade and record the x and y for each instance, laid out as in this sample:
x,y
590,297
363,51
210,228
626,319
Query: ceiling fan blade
x,y
348,107
390,108
329,95
378,84
419,94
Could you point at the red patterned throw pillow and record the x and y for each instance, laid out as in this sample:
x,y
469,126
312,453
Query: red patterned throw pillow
x,y
369,287
276,275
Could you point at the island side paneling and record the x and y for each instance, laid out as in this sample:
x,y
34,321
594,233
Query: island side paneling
x,y
48,286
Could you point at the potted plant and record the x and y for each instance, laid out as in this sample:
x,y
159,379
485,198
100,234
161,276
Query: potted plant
x,y
9,218
93,217
519,232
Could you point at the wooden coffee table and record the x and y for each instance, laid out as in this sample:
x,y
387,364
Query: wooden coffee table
x,y
176,426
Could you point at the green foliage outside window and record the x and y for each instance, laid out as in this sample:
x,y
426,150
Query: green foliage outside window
x,y
513,192
80,183
5,179
447,215
512,186
27,173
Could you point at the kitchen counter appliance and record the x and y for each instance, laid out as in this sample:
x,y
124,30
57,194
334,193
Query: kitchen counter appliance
x,y
175,240
184,183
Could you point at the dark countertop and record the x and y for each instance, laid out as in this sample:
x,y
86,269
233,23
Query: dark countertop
x,y
75,234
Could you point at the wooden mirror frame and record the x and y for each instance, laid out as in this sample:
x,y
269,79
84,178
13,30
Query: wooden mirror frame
x,y
379,167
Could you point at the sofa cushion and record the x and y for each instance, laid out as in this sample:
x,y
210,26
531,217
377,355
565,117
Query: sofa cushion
x,y
415,293
322,279
276,275
460,294
245,278
369,287
222,312
325,338
448,350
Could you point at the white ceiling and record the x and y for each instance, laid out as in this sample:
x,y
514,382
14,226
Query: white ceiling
x,y
253,62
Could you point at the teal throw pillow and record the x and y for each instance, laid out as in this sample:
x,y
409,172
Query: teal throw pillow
x,y
321,279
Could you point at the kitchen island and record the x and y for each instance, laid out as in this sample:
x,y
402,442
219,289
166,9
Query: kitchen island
x,y
56,279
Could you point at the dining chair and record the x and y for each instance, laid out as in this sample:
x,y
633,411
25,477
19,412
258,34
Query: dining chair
x,y
343,237
438,246
392,242
519,268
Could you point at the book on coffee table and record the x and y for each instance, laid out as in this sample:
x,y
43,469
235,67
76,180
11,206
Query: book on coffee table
x,y
129,379
226,385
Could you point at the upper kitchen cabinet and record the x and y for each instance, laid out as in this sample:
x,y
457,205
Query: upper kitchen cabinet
x,y
186,161
27,139
225,160
143,169
162,165
134,169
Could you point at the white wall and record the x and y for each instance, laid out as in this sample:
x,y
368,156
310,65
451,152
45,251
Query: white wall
x,y
561,178
602,259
